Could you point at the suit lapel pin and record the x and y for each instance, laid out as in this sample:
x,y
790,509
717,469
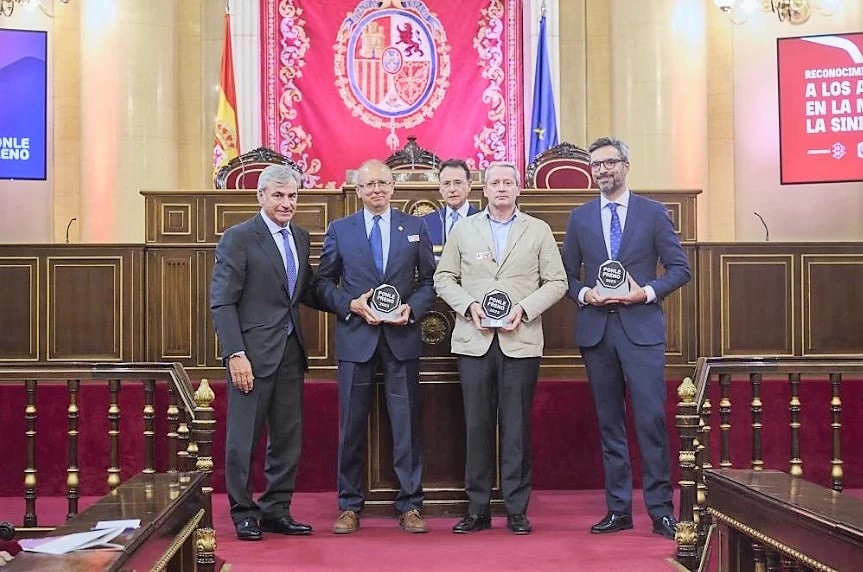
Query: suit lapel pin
x,y
401,228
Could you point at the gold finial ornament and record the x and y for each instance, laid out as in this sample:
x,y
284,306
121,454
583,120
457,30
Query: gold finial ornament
x,y
204,395
686,391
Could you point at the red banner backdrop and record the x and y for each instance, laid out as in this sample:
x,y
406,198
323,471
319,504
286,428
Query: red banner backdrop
x,y
348,80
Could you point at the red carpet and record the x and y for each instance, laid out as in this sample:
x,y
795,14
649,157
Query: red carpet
x,y
560,540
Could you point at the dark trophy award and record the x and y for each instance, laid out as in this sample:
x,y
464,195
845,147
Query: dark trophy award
x,y
612,280
385,301
497,306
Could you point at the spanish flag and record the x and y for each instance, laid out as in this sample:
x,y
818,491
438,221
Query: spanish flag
x,y
227,144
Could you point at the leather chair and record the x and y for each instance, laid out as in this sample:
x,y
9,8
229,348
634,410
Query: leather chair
x,y
563,166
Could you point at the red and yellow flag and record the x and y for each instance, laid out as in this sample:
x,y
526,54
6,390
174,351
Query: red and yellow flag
x,y
227,144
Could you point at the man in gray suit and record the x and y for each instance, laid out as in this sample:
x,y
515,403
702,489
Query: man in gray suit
x,y
262,273
503,249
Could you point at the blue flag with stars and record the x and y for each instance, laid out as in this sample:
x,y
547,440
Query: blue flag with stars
x,y
543,122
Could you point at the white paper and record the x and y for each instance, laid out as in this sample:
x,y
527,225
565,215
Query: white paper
x,y
124,524
77,541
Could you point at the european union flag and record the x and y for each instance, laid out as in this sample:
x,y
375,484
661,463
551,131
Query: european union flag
x,y
543,122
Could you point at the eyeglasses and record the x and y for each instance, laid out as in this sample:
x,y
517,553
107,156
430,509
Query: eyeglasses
x,y
607,163
456,183
376,184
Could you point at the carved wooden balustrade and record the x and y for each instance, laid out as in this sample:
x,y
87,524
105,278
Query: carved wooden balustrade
x,y
697,418
189,418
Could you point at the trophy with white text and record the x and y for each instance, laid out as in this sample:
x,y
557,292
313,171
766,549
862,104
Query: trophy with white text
x,y
612,282
385,302
496,305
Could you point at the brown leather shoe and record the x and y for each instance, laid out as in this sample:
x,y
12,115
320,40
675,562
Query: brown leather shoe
x,y
412,521
347,523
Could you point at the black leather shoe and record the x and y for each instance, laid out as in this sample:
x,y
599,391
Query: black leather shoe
x,y
666,526
285,525
518,523
248,529
472,523
613,522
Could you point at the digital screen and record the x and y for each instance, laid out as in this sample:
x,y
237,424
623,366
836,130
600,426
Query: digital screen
x,y
23,119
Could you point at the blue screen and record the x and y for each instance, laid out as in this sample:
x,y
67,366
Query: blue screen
x,y
23,119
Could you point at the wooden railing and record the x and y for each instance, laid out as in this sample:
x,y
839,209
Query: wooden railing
x,y
696,418
770,520
190,424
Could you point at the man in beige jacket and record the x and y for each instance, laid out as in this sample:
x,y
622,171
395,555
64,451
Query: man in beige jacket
x,y
499,249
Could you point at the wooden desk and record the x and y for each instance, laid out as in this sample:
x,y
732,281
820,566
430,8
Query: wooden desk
x,y
791,518
169,513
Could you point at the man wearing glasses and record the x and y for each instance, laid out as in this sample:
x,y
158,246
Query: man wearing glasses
x,y
622,335
377,245
454,184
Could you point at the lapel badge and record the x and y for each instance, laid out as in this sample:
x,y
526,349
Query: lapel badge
x,y
401,228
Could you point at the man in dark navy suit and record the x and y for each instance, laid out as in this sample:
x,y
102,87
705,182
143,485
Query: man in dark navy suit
x,y
622,336
262,274
378,245
454,184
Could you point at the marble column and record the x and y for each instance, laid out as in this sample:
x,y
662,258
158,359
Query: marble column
x,y
659,90
128,113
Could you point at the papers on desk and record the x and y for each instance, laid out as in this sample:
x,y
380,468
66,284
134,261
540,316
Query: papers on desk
x,y
100,537
124,524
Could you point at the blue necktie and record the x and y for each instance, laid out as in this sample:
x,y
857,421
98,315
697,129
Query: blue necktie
x,y
454,216
376,244
615,232
291,270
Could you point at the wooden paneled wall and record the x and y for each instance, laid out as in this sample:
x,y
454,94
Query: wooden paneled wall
x,y
150,302
71,303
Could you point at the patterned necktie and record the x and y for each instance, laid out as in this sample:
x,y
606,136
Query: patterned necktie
x,y
376,244
453,216
290,265
615,232
291,271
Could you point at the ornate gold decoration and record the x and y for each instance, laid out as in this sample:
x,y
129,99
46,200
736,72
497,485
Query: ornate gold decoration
x,y
204,464
775,544
686,391
792,11
204,395
435,328
179,540
687,458
687,533
205,540
423,207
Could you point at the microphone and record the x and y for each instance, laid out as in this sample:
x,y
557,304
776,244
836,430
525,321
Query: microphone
x,y
764,224
68,226
242,184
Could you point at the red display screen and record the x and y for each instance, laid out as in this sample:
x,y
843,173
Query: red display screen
x,y
821,108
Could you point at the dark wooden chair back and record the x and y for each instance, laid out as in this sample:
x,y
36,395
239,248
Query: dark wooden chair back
x,y
563,166
242,172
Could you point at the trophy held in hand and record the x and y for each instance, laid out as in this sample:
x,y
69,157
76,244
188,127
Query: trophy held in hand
x,y
496,305
385,302
612,280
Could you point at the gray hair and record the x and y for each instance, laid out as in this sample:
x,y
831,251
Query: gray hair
x,y
276,176
506,164
621,147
